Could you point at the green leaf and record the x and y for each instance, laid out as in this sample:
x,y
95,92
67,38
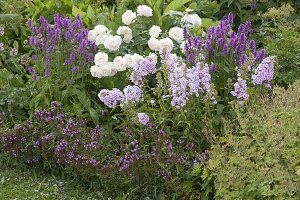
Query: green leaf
x,y
175,5
82,97
76,11
94,115
157,17
90,13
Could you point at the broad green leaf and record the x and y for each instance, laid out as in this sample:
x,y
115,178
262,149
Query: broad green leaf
x,y
94,115
175,5
90,13
76,11
157,17
82,97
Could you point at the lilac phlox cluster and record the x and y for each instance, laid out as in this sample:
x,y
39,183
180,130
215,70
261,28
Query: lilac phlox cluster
x,y
199,79
132,93
143,118
264,72
111,97
47,39
142,68
178,86
188,81
240,90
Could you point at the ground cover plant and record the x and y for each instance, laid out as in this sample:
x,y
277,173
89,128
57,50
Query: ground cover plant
x,y
137,102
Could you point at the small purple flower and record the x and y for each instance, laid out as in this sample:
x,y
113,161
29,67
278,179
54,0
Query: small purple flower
x,y
33,57
143,118
30,70
75,69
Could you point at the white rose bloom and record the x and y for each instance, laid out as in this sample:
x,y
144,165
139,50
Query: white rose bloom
x,y
95,71
100,39
154,31
108,69
101,29
144,10
113,43
153,56
182,46
154,44
128,17
92,35
100,58
166,44
120,63
176,33
126,32
129,60
192,19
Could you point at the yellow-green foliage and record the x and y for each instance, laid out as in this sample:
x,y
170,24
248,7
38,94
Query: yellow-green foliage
x,y
262,162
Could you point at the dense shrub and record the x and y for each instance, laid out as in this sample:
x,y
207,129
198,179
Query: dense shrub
x,y
263,160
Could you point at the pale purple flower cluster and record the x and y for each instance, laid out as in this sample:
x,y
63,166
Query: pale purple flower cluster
x,y
143,118
111,97
65,36
240,90
264,72
132,93
142,68
187,81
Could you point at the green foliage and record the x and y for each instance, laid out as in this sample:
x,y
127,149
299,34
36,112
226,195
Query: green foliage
x,y
262,161
284,43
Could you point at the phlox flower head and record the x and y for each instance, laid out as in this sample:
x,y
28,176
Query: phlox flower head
x,y
240,90
264,72
143,118
111,97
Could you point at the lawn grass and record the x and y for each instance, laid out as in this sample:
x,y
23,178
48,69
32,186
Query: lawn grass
x,y
21,184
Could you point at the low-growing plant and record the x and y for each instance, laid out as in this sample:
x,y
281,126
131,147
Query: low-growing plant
x,y
263,160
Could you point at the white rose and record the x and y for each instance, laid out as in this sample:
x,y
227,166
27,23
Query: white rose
x,y
113,43
108,69
100,39
154,44
192,19
92,34
126,32
144,10
166,44
95,71
128,17
154,31
120,63
176,33
101,29
153,56
129,60
100,58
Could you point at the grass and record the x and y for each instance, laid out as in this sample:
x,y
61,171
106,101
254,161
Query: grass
x,y
17,183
